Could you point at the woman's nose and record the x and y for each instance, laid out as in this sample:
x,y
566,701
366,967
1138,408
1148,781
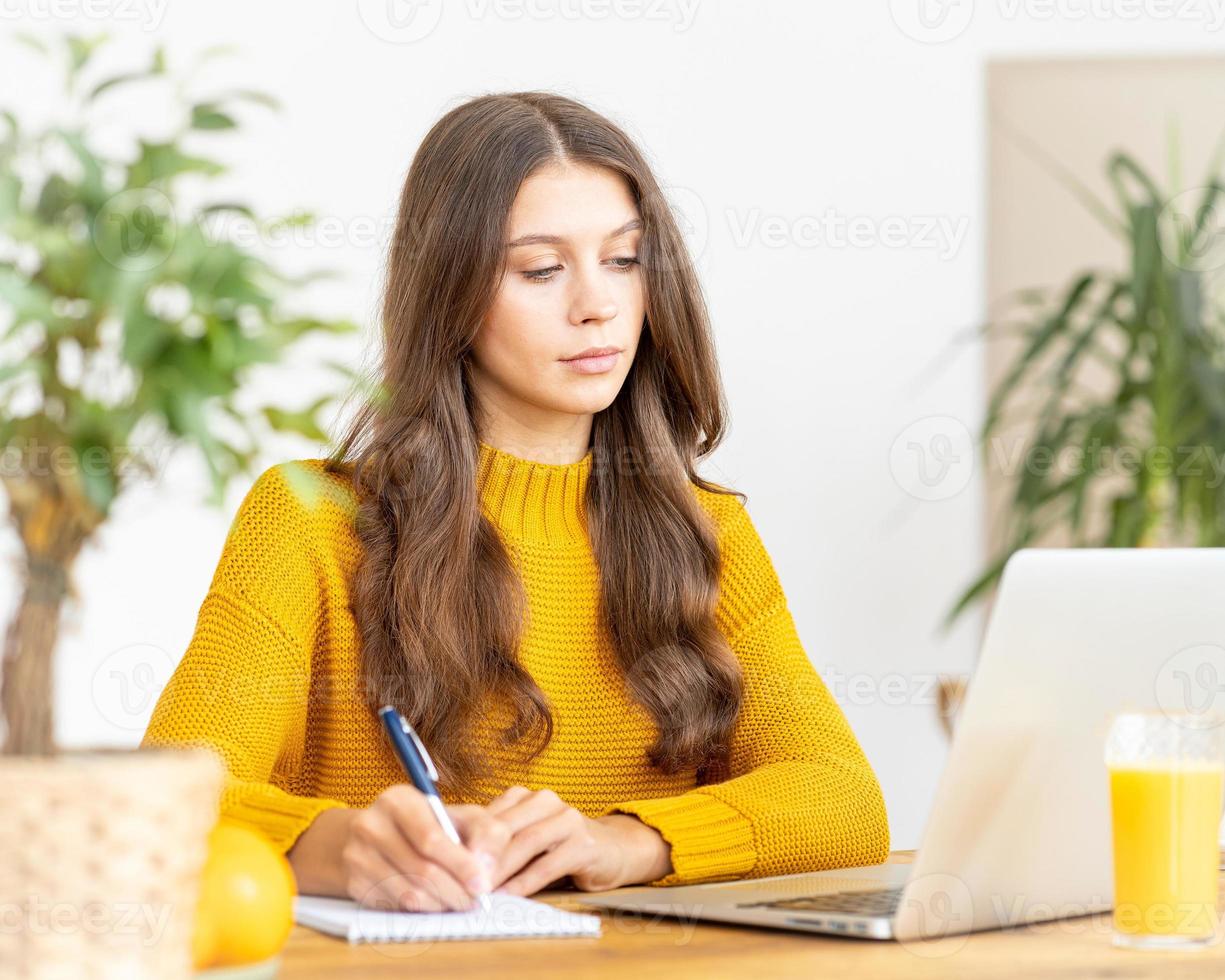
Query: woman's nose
x,y
592,299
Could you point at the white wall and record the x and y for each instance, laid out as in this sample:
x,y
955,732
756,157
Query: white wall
x,y
773,122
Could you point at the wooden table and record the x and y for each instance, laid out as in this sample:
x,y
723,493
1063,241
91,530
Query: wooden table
x,y
637,947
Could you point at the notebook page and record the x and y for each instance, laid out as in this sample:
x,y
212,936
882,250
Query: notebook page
x,y
509,917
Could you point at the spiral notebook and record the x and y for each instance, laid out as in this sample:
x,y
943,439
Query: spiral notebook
x,y
509,917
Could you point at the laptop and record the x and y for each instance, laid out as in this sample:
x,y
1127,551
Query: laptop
x,y
1019,829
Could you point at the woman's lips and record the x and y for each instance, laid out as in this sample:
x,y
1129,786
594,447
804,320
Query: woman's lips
x,y
593,365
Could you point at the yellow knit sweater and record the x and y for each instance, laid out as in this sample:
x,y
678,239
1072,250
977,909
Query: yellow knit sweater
x,y
271,680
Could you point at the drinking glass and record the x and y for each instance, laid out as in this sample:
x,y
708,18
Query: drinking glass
x,y
1167,774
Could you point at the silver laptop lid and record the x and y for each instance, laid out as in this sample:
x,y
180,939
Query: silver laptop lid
x,y
1020,826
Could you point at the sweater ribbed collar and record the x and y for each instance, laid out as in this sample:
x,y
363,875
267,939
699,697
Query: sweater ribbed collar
x,y
540,503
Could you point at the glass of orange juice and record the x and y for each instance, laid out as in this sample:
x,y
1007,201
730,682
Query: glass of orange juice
x,y
1167,776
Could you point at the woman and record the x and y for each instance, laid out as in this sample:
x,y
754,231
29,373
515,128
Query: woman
x,y
512,546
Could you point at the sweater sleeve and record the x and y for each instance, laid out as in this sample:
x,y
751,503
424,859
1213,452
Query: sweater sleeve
x,y
801,795
243,684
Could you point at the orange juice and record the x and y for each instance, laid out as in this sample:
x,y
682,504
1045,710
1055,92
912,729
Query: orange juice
x,y
1166,818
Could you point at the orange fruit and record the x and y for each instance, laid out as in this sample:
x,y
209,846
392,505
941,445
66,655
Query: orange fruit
x,y
245,911
204,939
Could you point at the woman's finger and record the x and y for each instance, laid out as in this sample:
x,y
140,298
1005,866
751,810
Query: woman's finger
x,y
507,799
537,838
381,886
418,825
480,830
545,870
401,846
531,809
435,880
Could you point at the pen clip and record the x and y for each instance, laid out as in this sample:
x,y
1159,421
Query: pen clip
x,y
425,756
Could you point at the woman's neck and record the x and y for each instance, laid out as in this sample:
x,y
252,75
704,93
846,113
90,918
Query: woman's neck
x,y
557,446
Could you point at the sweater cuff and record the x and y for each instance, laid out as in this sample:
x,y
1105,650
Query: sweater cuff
x,y
279,816
710,839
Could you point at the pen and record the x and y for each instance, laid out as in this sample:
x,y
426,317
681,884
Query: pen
x,y
420,768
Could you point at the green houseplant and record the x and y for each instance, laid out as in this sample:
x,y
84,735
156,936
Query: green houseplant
x,y
1138,457
127,330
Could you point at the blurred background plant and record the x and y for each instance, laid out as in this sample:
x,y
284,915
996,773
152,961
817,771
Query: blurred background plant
x,y
1122,373
127,330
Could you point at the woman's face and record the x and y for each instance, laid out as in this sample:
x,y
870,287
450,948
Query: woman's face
x,y
572,283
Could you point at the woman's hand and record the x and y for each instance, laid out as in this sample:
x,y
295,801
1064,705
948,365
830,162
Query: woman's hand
x,y
550,840
395,855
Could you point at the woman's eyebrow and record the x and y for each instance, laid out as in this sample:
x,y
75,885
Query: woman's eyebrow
x,y
630,225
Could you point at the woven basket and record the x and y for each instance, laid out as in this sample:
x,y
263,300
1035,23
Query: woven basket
x,y
100,860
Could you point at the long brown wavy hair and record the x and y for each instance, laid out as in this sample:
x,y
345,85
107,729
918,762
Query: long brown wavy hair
x,y
437,598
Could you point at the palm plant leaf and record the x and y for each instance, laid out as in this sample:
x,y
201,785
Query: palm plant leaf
x,y
1147,448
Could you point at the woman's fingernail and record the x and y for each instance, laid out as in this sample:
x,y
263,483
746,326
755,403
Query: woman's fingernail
x,y
480,885
482,882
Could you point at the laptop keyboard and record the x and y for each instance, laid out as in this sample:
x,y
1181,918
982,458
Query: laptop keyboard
x,y
872,902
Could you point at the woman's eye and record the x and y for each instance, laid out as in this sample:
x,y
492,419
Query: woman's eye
x,y
540,275
622,264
